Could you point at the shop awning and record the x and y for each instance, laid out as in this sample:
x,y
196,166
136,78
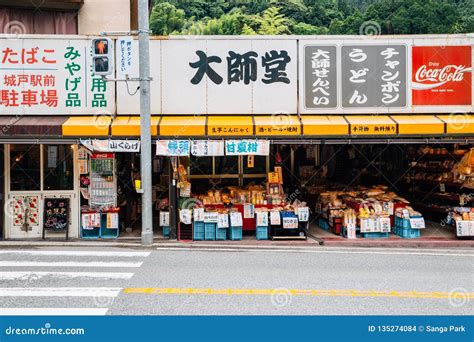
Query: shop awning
x,y
371,125
230,126
277,125
87,126
325,125
129,126
41,126
182,126
419,125
458,123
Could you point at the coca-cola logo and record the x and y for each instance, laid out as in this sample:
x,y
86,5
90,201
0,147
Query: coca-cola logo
x,y
438,76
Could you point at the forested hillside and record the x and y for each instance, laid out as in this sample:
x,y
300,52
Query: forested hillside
x,y
231,17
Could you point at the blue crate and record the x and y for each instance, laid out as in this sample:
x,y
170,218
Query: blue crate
x,y
408,233
209,231
262,233
323,224
221,233
234,233
90,233
166,231
107,233
375,235
198,231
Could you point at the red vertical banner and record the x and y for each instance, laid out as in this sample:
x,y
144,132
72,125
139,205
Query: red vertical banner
x,y
441,75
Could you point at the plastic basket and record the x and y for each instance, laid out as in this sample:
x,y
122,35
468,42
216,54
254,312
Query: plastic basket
x,y
221,233
323,224
107,233
198,231
235,233
90,233
375,235
408,233
262,233
209,231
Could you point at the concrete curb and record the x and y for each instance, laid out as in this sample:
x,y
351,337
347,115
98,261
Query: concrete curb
x,y
266,245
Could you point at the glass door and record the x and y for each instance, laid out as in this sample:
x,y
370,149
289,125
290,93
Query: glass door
x,y
34,174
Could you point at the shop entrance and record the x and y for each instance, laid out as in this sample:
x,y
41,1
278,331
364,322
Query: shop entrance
x,y
41,191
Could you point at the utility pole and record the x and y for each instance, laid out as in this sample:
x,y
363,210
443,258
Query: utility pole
x,y
145,134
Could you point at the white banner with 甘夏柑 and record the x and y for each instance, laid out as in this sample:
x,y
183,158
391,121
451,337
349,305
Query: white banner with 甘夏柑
x,y
51,76
247,147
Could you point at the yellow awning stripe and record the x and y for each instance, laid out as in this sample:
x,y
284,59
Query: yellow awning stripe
x,y
273,126
458,123
87,126
277,125
230,126
362,125
325,125
129,126
419,124
183,126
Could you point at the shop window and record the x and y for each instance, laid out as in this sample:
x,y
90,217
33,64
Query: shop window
x,y
201,165
25,167
58,167
228,165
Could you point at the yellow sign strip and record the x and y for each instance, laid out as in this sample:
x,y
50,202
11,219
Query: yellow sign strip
x,y
297,292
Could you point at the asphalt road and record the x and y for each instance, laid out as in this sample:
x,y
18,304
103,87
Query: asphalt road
x,y
320,281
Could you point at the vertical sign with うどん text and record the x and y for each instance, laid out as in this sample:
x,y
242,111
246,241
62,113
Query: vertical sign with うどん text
x,y
373,76
320,76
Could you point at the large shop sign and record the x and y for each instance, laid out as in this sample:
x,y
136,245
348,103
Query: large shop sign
x,y
218,76
385,75
51,76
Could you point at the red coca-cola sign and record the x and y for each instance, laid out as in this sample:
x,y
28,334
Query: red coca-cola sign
x,y
441,75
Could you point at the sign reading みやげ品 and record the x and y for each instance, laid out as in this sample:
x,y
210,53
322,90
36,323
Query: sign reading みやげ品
x,y
51,76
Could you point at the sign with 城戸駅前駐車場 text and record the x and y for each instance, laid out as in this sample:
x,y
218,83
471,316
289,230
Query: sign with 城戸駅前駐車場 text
x,y
51,77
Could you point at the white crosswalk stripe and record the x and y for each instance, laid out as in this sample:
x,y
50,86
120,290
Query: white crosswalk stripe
x,y
69,282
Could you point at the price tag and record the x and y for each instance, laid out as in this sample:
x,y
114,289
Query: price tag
x,y
442,187
211,217
383,224
290,222
198,214
351,230
262,218
303,214
164,219
249,211
223,221
236,219
464,228
275,218
417,223
185,216
367,225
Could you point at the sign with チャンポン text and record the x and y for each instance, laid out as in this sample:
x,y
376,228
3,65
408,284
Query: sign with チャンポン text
x,y
373,76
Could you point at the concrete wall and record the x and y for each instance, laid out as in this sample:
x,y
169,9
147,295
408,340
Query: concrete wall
x,y
96,16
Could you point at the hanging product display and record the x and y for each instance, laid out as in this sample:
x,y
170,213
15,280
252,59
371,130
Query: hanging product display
x,y
100,218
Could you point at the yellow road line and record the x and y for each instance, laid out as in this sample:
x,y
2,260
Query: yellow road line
x,y
296,292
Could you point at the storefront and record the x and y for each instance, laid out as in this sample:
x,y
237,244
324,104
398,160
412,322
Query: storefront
x,y
313,137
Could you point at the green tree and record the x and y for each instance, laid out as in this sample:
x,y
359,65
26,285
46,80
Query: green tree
x,y
165,19
273,22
